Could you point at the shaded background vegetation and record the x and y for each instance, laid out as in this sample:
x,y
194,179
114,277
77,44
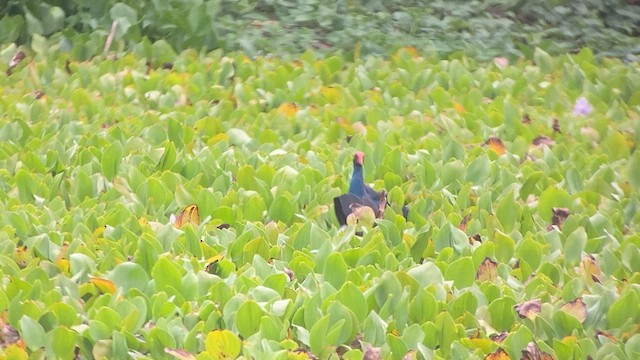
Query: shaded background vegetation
x,y
482,29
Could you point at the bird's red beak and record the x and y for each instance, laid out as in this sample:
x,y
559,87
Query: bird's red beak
x,y
359,157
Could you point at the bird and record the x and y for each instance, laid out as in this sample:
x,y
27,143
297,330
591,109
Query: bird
x,y
360,193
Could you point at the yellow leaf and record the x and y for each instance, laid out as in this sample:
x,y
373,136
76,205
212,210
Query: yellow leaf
x,y
330,94
287,109
459,108
105,286
190,215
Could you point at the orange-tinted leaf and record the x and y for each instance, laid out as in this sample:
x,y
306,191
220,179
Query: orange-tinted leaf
x,y
104,285
487,271
190,215
576,308
459,108
496,145
288,109
499,354
411,50
180,354
528,309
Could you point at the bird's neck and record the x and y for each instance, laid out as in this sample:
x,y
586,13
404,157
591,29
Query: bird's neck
x,y
356,187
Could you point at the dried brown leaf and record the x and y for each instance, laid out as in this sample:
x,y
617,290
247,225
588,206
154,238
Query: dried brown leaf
x,y
464,222
556,126
499,337
526,119
487,271
15,60
543,140
576,308
528,309
372,353
499,354
558,217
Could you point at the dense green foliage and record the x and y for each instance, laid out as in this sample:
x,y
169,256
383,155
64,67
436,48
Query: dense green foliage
x,y
482,29
96,156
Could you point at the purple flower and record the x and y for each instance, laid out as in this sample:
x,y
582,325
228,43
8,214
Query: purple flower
x,y
582,107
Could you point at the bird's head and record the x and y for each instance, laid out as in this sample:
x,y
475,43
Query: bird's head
x,y
358,158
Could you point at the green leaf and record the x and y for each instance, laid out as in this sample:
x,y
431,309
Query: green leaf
x,y
166,274
451,236
111,158
126,17
574,246
281,209
502,313
129,275
504,246
542,60
447,332
248,318
624,309
61,342
351,297
32,333
462,272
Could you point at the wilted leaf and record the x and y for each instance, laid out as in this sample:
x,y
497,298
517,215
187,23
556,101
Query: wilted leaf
x,y
590,268
190,215
15,60
463,222
542,141
528,309
499,354
558,217
487,271
496,145
576,308
499,337
372,353
556,126
526,119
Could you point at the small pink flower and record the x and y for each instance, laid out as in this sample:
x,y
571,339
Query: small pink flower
x,y
501,62
582,107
